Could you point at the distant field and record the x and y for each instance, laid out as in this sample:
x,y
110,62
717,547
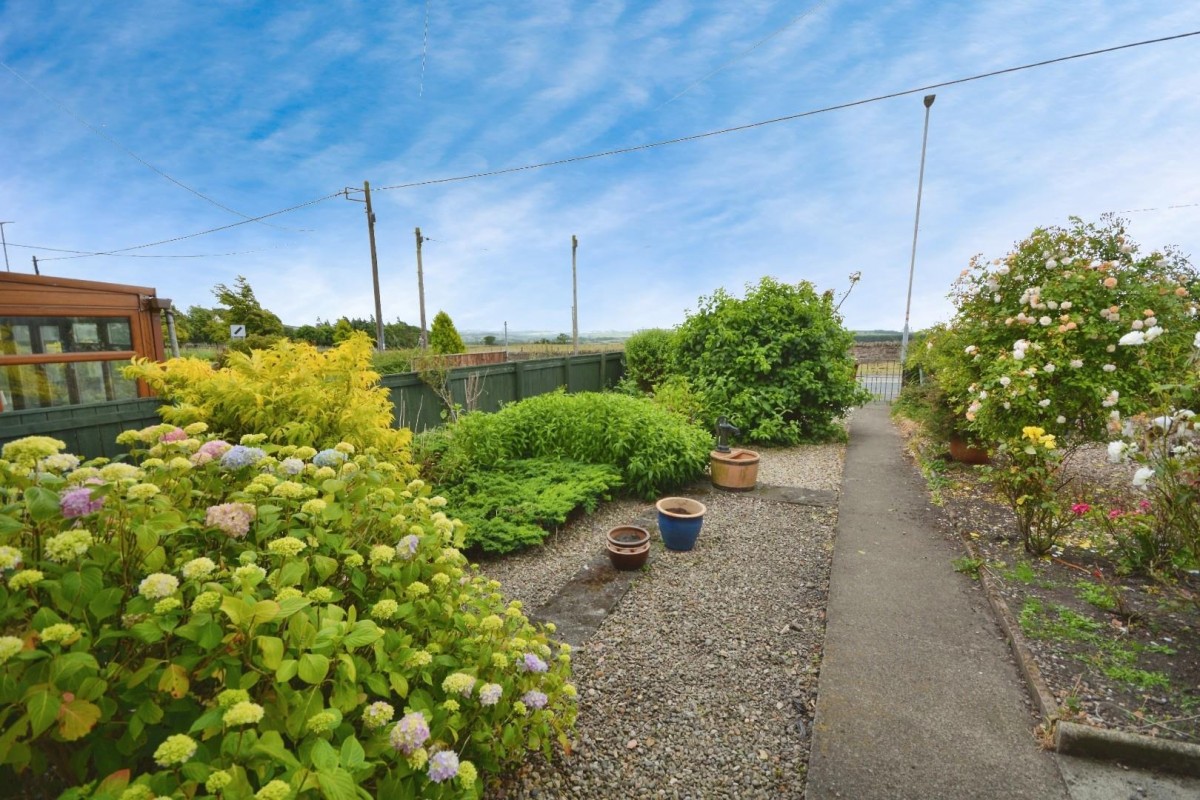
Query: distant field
x,y
551,349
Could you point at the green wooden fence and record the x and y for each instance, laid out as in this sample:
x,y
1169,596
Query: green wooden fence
x,y
91,430
88,430
418,407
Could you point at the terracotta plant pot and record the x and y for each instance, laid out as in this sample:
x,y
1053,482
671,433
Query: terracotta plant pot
x,y
965,453
628,547
628,536
679,521
735,471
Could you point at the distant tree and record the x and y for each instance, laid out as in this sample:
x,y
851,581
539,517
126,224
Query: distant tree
x,y
305,333
202,325
239,306
342,331
489,340
400,335
444,338
562,338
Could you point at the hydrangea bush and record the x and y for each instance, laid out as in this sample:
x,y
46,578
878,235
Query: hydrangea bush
x,y
1048,335
254,620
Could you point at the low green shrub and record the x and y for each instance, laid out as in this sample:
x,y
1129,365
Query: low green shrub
x,y
512,505
254,621
653,448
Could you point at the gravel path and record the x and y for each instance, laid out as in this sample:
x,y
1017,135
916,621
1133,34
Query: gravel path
x,y
703,680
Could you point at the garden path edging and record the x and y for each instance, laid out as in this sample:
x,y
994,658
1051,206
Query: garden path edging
x,y
1072,738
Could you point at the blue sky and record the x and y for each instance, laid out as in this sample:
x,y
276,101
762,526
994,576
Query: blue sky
x,y
262,106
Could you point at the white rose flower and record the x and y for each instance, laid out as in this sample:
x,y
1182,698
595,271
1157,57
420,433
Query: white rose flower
x,y
1142,476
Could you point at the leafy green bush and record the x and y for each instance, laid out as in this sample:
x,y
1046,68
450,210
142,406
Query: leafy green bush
x,y
653,448
444,338
291,392
254,621
650,357
510,506
778,363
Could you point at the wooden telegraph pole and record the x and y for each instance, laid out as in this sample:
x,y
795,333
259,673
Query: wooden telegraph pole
x,y
379,341
574,298
421,292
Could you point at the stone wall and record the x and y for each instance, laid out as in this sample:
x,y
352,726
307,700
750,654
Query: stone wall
x,y
871,352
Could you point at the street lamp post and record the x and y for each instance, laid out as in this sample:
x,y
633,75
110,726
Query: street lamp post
x,y
5,241
912,264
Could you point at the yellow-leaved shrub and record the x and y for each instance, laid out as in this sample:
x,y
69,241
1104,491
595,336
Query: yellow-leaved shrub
x,y
292,392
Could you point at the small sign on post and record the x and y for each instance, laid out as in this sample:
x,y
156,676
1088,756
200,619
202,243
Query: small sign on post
x,y
237,331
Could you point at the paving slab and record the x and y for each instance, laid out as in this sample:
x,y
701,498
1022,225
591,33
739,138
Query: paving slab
x,y
918,696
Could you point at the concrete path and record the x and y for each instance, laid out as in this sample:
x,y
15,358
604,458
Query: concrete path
x,y
918,697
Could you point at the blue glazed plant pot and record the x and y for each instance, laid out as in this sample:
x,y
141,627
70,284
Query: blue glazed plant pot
x,y
679,521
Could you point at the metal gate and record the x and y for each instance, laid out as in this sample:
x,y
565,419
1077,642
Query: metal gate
x,y
881,378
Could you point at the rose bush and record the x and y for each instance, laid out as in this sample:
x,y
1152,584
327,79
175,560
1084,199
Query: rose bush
x,y
1047,335
1161,532
254,621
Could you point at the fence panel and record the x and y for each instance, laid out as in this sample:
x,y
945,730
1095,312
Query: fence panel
x,y
88,430
881,378
91,430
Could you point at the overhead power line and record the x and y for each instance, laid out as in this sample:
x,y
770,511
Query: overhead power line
x,y
788,118
287,210
104,135
1158,208
134,255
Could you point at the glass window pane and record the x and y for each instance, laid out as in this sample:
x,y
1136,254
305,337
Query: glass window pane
x,y
51,338
33,386
89,381
119,335
25,335
122,387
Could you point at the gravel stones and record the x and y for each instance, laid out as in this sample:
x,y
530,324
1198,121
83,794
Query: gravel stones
x,y
702,681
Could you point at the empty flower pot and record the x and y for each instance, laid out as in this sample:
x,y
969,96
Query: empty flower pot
x,y
628,536
679,521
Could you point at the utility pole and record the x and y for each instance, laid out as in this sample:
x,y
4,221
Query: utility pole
x,y
574,298
421,291
2,239
912,264
380,345
35,266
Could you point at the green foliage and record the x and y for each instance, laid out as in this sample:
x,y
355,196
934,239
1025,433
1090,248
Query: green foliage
x,y
650,357
239,306
214,620
654,449
777,363
391,362
675,394
291,392
1028,473
512,505
1042,337
1116,658
443,337
968,566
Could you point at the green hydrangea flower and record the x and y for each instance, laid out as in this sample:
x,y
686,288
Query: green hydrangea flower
x,y
175,750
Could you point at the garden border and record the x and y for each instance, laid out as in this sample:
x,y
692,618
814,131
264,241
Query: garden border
x,y
1072,738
